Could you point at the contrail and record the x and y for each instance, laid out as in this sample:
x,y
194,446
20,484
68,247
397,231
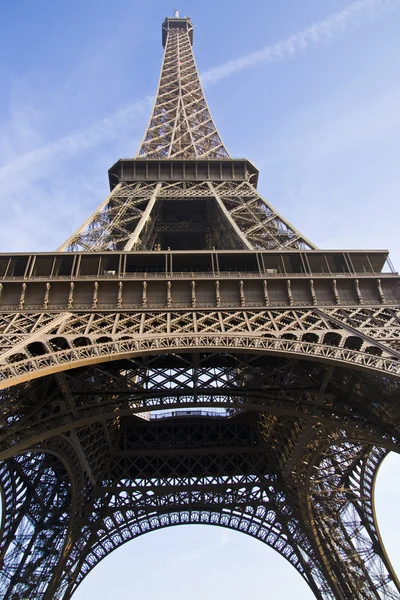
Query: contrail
x,y
75,142
352,16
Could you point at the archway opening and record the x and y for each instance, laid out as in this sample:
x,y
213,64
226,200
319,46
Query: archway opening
x,y
387,499
195,561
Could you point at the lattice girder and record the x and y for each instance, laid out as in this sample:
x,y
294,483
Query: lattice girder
x,y
32,558
237,503
40,517
334,479
270,386
130,214
72,339
181,125
232,382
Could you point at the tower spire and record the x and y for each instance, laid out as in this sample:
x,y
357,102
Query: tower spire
x,y
181,125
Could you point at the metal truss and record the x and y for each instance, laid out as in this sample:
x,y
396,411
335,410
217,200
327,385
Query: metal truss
x,y
340,505
44,343
240,218
41,494
241,466
134,400
112,224
257,224
181,125
146,384
246,502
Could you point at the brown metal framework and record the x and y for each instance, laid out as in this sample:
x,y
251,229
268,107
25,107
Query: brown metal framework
x,y
187,356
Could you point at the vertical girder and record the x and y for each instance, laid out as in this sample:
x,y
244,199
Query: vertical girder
x,y
33,552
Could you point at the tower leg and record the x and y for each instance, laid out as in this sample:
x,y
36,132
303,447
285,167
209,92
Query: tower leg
x,y
42,492
340,508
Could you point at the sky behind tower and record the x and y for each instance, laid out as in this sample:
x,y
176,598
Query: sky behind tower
x,y
309,91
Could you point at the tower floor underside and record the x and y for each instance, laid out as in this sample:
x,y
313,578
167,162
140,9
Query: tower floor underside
x,y
264,444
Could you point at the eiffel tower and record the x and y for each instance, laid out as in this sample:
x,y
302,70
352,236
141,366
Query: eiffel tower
x,y
188,356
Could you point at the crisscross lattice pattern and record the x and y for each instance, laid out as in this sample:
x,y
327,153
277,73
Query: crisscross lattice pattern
x,y
181,125
241,218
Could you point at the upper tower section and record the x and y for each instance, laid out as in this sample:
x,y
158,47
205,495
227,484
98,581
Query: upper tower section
x,y
180,125
176,22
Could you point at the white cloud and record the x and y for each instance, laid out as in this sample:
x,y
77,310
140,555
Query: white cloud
x,y
352,16
201,553
106,128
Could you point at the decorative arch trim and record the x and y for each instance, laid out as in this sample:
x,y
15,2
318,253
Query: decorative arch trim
x,y
14,373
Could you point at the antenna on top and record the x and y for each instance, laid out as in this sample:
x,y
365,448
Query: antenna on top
x,y
176,14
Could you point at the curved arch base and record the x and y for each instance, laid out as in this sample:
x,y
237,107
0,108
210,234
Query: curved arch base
x,y
281,449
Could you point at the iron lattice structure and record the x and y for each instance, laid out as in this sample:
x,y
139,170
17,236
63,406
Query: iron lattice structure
x,y
188,356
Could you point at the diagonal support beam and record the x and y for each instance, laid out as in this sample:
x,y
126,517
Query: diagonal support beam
x,y
146,214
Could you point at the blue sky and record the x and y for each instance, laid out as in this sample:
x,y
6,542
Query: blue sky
x,y
307,90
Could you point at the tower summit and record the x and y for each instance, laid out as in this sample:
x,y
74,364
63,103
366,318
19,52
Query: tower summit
x,y
188,356
177,22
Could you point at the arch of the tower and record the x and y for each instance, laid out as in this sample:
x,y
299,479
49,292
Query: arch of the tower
x,y
41,491
215,434
258,507
221,380
343,474
261,510
53,353
244,506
